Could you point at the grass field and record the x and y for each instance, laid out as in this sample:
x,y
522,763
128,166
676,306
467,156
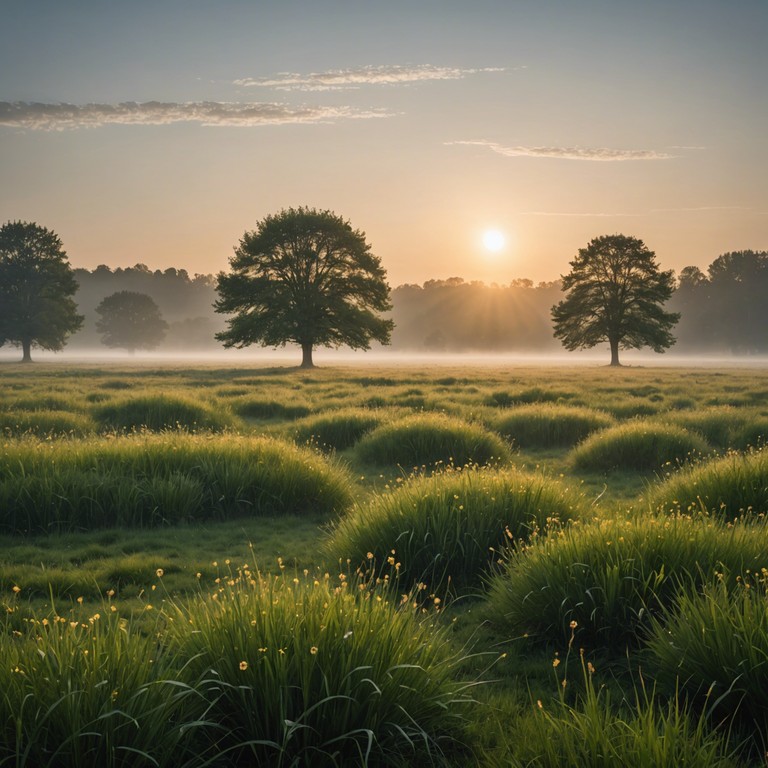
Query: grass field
x,y
381,566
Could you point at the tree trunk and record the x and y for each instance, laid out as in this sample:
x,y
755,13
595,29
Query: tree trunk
x,y
26,346
614,351
306,356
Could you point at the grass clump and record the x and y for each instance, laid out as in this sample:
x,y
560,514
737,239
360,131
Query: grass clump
x,y
424,439
712,646
612,576
265,408
637,445
448,529
45,423
337,430
550,426
734,486
719,426
160,412
91,690
149,480
314,671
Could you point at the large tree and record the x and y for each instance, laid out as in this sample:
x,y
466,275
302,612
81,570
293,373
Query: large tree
x,y
615,293
306,277
130,320
36,289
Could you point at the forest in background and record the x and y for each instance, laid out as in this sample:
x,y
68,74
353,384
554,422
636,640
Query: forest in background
x,y
722,310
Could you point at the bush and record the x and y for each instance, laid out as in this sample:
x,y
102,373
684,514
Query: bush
x,y
550,426
425,439
637,445
149,480
712,647
734,486
612,576
449,528
337,430
308,672
159,412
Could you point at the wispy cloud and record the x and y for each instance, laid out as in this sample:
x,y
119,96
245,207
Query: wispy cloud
x,y
594,154
338,79
56,117
702,208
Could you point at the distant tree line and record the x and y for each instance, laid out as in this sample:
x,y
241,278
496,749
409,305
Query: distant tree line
x,y
722,311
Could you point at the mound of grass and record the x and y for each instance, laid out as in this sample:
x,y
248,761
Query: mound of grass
x,y
149,480
505,399
550,426
637,445
310,672
712,647
752,435
612,576
425,439
264,408
449,528
629,407
734,486
159,412
337,430
45,423
719,426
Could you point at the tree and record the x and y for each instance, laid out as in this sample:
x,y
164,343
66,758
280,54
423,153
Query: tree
x,y
615,293
304,276
130,320
36,286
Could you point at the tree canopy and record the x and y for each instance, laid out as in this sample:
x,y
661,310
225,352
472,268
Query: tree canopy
x,y
131,321
615,292
36,286
304,276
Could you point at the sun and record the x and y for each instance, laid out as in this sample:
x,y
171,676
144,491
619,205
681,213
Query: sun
x,y
494,240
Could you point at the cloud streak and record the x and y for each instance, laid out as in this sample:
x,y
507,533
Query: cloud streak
x,y
57,117
341,79
592,154
580,215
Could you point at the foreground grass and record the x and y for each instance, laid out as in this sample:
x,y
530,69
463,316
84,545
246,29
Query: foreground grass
x,y
617,571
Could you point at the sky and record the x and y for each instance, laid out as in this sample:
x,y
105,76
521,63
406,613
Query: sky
x,y
159,131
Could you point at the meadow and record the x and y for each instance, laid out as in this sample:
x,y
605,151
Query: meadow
x,y
491,566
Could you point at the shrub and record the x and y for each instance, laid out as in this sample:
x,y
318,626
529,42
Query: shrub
x,y
733,486
712,646
611,576
637,445
337,430
148,480
550,426
309,672
159,412
449,527
425,439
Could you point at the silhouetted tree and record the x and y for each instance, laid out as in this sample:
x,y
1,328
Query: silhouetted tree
x,y
615,293
304,276
131,321
36,286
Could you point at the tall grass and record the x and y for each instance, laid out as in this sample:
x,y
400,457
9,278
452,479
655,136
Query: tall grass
x,y
148,480
712,646
612,576
315,671
548,426
161,412
448,529
338,429
425,439
45,423
734,486
637,445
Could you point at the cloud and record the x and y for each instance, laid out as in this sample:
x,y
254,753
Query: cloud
x,y
598,154
56,117
338,79
579,215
